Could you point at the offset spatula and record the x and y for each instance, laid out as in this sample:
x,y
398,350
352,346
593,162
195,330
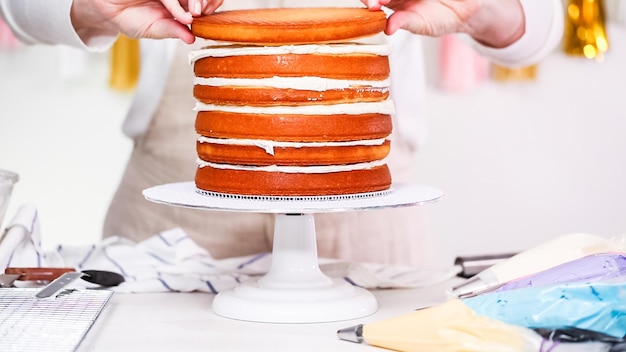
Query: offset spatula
x,y
58,284
7,280
99,277
102,278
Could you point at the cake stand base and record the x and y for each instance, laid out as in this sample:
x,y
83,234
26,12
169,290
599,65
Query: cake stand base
x,y
295,290
339,301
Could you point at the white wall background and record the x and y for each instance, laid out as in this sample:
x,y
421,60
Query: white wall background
x,y
519,162
60,129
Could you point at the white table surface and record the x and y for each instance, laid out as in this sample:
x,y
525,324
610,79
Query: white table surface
x,y
184,322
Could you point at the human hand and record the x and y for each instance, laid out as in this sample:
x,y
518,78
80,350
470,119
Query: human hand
x,y
156,19
496,23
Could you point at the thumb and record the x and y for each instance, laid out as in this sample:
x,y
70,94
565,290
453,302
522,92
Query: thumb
x,y
407,21
170,28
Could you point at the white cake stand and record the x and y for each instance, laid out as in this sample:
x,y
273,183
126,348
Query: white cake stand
x,y
294,290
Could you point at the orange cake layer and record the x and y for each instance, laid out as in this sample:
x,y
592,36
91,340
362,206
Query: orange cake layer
x,y
289,104
289,25
293,128
261,96
301,156
356,66
292,184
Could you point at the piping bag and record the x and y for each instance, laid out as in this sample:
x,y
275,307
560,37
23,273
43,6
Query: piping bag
x,y
560,250
598,306
506,321
592,268
578,289
451,326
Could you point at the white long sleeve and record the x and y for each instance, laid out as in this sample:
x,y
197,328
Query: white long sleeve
x,y
49,22
544,30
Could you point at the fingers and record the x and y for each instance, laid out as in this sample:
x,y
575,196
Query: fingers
x,y
413,23
203,7
178,12
211,5
372,4
384,2
375,4
396,21
194,8
170,29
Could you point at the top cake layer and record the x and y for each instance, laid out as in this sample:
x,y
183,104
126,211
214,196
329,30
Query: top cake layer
x,y
280,26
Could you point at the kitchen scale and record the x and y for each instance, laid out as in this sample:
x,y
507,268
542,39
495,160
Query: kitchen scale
x,y
294,290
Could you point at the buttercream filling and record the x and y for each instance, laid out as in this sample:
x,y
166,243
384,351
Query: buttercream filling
x,y
333,49
315,169
269,145
300,83
385,107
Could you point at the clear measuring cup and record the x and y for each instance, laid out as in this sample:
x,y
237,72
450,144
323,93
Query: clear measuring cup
x,y
7,180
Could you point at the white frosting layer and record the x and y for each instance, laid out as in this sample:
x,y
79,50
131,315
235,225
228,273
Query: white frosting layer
x,y
301,83
333,49
380,107
269,145
295,169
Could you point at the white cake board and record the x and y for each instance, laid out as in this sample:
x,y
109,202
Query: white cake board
x,y
294,290
185,194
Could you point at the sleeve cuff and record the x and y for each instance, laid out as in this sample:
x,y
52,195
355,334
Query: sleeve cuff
x,y
49,22
544,31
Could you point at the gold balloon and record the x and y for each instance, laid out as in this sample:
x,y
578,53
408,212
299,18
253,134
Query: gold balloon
x,y
585,30
501,73
125,56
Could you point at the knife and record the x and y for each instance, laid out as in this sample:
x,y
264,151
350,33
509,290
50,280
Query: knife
x,y
30,274
37,274
99,277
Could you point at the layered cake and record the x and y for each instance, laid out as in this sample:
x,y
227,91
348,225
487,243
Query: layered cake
x,y
306,114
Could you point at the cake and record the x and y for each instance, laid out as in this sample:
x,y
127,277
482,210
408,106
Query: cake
x,y
279,26
297,114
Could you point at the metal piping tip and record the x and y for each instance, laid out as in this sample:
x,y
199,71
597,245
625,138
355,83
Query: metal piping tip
x,y
473,287
352,334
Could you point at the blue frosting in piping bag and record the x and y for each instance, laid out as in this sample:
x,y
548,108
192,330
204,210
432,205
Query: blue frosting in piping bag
x,y
599,306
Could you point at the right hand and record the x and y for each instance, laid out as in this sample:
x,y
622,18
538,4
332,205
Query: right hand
x,y
497,23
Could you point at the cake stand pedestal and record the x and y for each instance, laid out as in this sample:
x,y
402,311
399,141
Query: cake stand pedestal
x,y
294,290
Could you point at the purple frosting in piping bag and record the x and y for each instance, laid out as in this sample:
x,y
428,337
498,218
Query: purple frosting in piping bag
x,y
591,268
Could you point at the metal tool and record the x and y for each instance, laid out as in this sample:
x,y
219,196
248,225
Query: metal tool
x,y
30,274
98,277
58,284
37,274
469,266
7,280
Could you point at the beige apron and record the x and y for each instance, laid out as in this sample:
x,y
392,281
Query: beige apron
x,y
166,153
